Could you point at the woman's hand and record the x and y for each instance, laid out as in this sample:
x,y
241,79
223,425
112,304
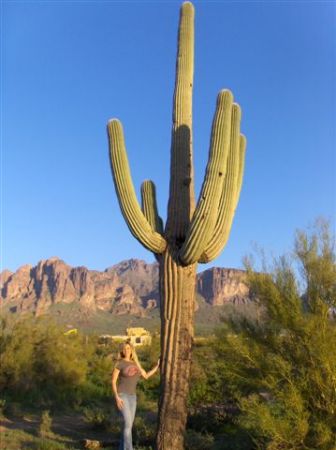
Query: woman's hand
x,y
119,402
147,375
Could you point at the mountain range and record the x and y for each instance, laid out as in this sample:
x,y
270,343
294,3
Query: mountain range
x,y
127,288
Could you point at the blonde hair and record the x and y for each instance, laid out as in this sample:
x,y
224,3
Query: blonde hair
x,y
134,356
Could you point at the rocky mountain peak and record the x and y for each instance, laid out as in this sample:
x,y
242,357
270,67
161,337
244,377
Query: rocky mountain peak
x,y
4,275
142,276
219,286
134,265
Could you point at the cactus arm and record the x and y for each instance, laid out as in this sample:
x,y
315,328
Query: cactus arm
x,y
161,226
136,221
149,206
181,203
230,193
205,215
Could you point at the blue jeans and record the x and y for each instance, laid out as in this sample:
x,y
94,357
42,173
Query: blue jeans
x,y
128,413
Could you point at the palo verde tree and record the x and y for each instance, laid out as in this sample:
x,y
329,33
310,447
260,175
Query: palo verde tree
x,y
280,367
192,233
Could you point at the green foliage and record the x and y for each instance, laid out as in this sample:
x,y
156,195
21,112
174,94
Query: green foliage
x,y
280,369
16,349
316,253
205,379
100,368
144,431
13,409
45,444
18,439
198,441
148,390
2,406
40,364
60,362
97,418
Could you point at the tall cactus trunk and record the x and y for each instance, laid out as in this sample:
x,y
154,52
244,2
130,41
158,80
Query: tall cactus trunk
x,y
177,281
177,286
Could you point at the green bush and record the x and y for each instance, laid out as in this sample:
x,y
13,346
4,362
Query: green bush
x,y
45,444
2,407
148,356
13,409
100,367
195,440
206,376
97,418
41,365
280,369
144,431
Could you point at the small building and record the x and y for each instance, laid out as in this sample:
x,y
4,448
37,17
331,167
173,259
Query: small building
x,y
136,336
71,331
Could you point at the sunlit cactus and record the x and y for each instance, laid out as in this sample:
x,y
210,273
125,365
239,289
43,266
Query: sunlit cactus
x,y
193,233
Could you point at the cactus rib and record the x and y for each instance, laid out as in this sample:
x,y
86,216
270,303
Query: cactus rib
x,y
229,200
181,173
136,221
205,215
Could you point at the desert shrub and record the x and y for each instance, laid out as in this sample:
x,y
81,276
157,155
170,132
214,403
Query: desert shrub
x,y
144,431
45,424
206,376
60,363
40,364
148,356
100,367
2,407
280,369
211,418
13,409
16,352
102,418
97,418
195,440
221,421
47,444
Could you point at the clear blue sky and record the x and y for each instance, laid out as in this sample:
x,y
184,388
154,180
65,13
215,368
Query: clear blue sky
x,y
69,66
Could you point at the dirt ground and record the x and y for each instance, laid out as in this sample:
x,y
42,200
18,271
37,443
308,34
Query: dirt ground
x,y
67,430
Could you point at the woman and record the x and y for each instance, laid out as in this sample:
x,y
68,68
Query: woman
x,y
128,371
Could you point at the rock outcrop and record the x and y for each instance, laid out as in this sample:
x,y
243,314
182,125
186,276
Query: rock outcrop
x,y
130,287
53,281
142,277
219,286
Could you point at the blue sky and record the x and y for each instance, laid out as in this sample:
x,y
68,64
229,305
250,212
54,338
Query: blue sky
x,y
69,66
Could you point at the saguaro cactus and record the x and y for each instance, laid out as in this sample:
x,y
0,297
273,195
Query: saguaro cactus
x,y
192,233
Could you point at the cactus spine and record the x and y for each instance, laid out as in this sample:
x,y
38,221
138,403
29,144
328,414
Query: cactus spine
x,y
192,233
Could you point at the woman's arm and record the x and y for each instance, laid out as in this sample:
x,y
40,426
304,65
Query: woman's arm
x,y
148,374
118,400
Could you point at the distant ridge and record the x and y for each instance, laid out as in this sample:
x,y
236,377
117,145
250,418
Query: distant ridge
x,y
127,288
